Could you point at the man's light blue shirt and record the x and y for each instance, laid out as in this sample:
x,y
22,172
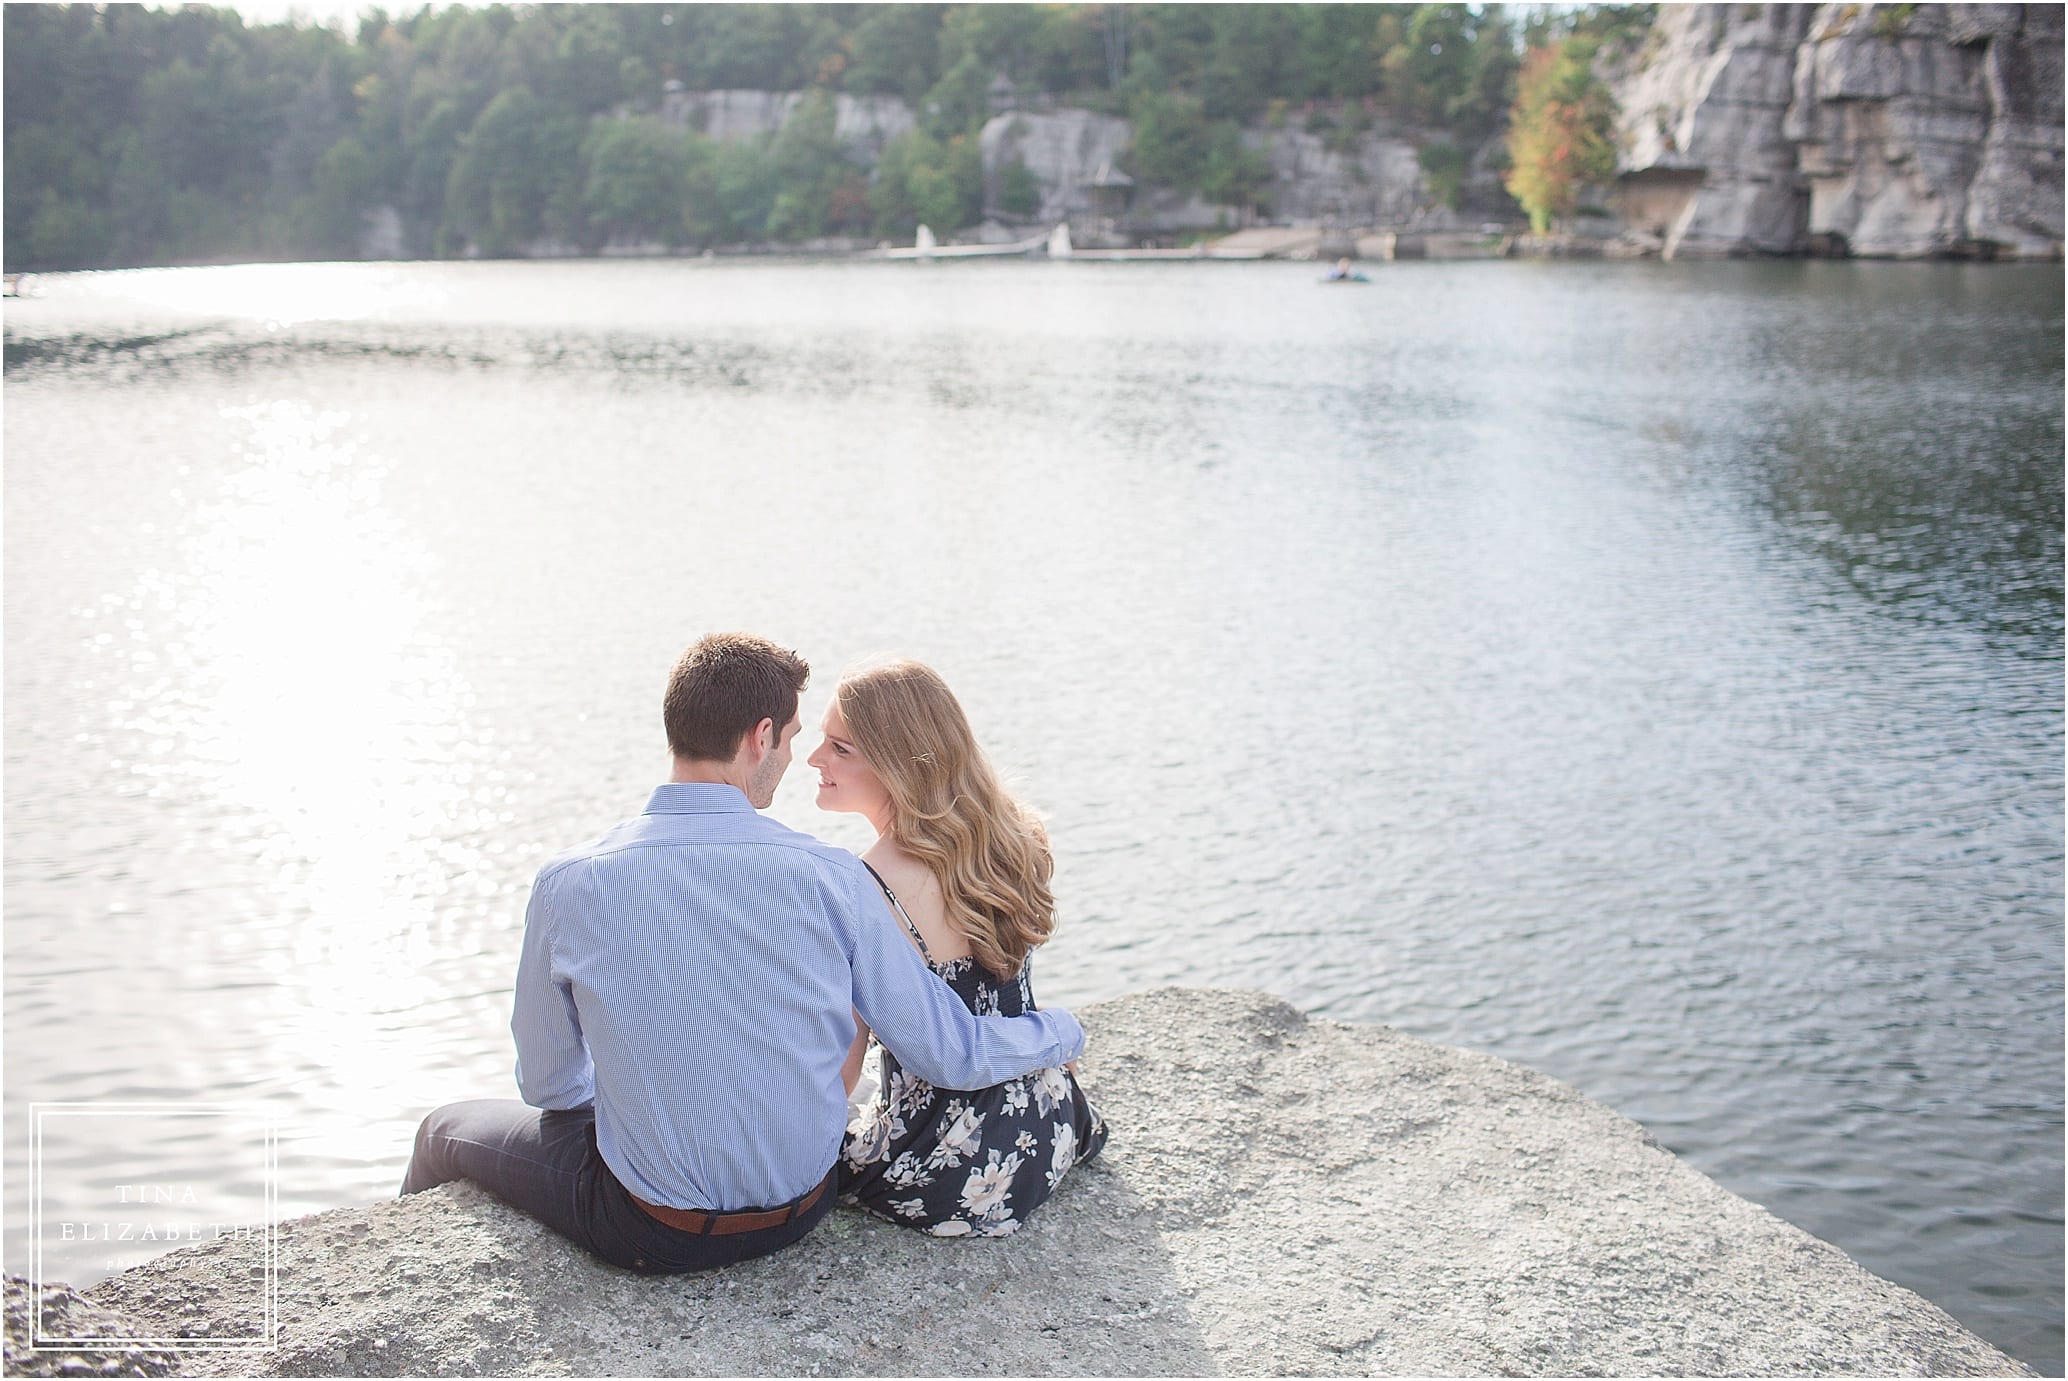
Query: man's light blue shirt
x,y
692,973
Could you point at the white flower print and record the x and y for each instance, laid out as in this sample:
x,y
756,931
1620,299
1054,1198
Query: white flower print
x,y
907,1173
1051,1088
964,1138
983,1193
904,1094
870,1141
959,1164
1065,1154
1015,1095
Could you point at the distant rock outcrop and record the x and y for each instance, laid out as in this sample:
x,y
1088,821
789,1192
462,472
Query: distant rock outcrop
x,y
1064,150
863,124
1281,1196
1375,181
1900,131
1708,169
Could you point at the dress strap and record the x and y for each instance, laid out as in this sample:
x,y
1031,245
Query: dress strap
x,y
903,915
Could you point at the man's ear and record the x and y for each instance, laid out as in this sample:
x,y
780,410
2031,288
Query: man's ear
x,y
755,745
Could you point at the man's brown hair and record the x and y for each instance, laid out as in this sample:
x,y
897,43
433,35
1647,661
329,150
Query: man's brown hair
x,y
724,685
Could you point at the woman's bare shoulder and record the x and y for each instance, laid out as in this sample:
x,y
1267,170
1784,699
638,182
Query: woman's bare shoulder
x,y
903,872
920,892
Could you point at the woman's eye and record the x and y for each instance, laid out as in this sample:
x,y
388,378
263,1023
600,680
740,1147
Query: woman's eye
x,y
841,751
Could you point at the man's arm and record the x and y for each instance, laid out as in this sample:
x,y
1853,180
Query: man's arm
x,y
553,1065
921,1021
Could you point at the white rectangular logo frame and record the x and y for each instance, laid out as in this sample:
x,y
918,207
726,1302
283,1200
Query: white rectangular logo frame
x,y
40,1341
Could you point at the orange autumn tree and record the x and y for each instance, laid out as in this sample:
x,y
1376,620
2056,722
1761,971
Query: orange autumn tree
x,y
1559,131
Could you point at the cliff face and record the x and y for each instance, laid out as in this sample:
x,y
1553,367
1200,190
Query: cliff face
x,y
1902,131
1281,1196
863,124
1893,131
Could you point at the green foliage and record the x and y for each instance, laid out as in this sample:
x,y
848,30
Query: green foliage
x,y
1559,134
744,187
1891,22
1234,172
638,181
1444,165
926,181
340,194
809,167
1171,139
1348,131
139,136
513,179
895,52
1018,193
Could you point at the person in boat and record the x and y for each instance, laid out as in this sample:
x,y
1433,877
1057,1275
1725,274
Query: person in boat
x,y
686,997
1343,273
965,869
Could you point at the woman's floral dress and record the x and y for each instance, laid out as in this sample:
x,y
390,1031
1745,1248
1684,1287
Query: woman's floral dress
x,y
967,1164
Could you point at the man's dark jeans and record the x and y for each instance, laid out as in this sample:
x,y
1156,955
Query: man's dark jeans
x,y
547,1164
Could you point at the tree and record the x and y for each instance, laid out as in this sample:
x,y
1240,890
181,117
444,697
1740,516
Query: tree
x,y
896,52
342,189
923,180
1171,139
636,182
743,190
515,178
809,166
1559,132
1018,193
1234,171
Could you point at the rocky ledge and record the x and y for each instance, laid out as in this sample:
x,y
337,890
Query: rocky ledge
x,y
1280,1196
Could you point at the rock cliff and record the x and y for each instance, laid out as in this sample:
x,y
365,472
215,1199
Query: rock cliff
x,y
1902,131
1899,131
1280,1196
862,124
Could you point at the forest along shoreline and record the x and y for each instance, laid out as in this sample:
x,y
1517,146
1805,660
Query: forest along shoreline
x,y
139,137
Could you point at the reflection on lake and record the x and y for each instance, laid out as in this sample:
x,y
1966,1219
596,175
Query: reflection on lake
x,y
1650,673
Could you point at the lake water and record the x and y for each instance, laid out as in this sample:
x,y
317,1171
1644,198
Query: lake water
x,y
1649,673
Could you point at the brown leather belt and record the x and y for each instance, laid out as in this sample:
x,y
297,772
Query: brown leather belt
x,y
704,1224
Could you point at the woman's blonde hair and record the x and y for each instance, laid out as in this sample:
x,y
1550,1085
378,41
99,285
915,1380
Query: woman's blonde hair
x,y
948,809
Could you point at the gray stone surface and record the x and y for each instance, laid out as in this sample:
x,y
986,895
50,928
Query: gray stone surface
x,y
1063,149
1280,1196
46,1350
1708,169
1901,132
863,124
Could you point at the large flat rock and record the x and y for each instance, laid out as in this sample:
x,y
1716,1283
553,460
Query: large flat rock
x,y
1280,1196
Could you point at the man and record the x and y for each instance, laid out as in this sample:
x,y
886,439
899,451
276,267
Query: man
x,y
686,998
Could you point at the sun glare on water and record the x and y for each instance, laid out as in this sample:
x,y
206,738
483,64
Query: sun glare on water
x,y
275,294
326,713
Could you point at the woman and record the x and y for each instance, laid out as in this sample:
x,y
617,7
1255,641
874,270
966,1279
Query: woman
x,y
965,870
